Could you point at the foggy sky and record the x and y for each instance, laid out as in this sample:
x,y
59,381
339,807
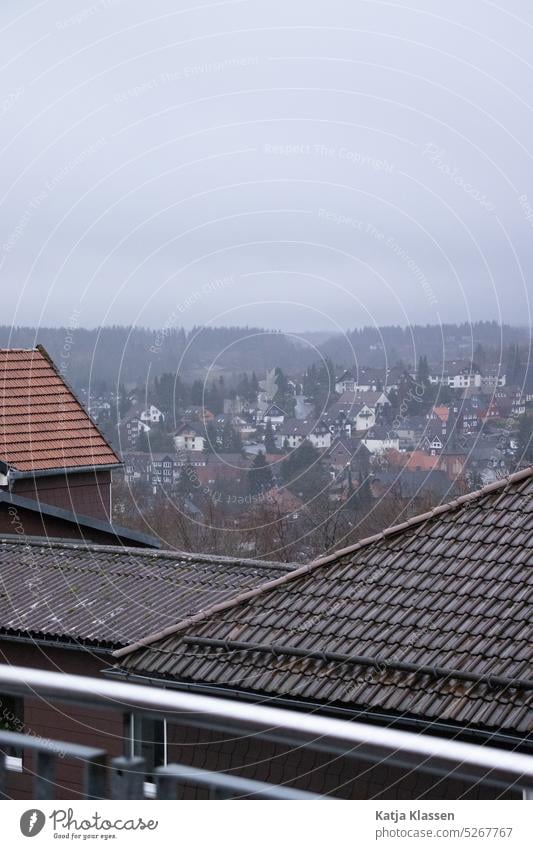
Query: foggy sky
x,y
302,165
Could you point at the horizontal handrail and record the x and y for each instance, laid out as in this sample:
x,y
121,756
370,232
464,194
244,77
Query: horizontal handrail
x,y
17,740
419,751
224,785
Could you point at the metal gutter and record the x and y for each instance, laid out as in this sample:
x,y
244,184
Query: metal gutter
x,y
445,729
17,474
51,643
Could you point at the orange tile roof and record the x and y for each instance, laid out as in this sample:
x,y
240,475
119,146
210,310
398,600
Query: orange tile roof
x,y
42,425
443,413
413,460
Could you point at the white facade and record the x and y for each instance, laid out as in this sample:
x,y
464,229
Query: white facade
x,y
380,445
293,440
364,419
189,440
152,415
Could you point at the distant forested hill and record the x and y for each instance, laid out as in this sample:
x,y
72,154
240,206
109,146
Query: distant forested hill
x,y
106,356
445,342
109,355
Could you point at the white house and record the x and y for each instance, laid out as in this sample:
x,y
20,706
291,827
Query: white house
x,y
379,439
347,382
152,415
132,428
275,415
190,438
294,431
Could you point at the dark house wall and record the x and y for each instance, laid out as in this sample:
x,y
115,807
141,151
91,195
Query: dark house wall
x,y
23,522
316,772
61,722
87,493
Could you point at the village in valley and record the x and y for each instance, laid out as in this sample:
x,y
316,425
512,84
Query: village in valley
x,y
320,457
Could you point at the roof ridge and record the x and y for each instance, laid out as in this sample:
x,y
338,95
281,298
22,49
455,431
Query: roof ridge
x,y
152,553
315,564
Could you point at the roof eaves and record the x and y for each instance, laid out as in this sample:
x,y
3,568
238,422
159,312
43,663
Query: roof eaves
x,y
18,474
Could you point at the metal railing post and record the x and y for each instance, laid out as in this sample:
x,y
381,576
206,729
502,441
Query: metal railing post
x,y
165,786
95,778
2,774
127,778
43,779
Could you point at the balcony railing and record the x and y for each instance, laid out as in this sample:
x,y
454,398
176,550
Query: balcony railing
x,y
125,777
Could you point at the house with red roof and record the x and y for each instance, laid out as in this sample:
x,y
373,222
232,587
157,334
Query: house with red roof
x,y
55,464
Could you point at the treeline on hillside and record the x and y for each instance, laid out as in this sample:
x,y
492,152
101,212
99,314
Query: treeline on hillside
x,y
104,357
108,356
377,345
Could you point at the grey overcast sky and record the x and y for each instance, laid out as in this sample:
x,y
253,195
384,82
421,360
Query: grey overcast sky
x,y
293,164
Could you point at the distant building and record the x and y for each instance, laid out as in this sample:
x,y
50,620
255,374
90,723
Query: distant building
x,y
379,439
189,437
275,415
130,430
293,432
195,413
152,415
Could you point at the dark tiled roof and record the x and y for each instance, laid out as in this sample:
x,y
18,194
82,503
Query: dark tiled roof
x,y
42,425
109,596
451,589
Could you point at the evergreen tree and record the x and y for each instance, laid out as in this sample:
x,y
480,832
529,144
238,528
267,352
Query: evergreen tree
x,y
260,475
270,442
142,442
302,471
284,395
480,356
422,372
513,364
124,403
212,440
231,439
197,393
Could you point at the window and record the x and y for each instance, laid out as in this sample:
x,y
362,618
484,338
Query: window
x,y
12,719
147,738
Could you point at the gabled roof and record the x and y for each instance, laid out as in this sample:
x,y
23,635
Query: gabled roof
x,y
346,375
42,424
274,411
430,619
107,596
442,413
302,427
